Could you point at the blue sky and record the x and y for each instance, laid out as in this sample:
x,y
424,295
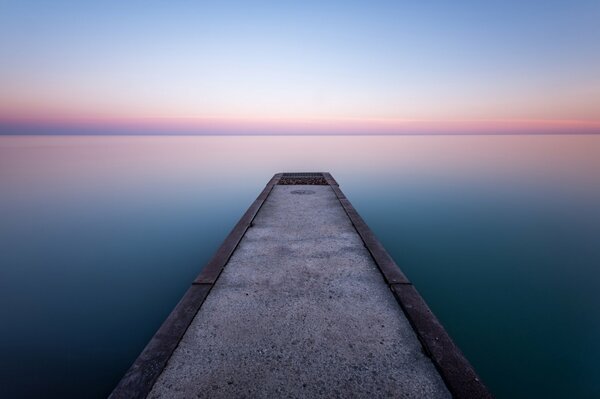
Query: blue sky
x,y
336,61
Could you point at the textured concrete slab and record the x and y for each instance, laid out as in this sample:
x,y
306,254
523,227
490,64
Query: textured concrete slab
x,y
300,310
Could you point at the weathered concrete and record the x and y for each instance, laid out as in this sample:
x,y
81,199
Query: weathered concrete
x,y
300,310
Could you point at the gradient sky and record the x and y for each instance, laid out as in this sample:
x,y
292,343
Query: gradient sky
x,y
295,67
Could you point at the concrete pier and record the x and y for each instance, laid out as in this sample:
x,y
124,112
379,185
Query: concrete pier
x,y
301,301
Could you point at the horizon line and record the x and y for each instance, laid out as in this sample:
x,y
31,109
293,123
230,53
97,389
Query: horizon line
x,y
155,126
145,134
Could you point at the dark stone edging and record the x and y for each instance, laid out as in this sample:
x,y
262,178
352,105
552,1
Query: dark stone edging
x,y
213,269
456,371
143,373
141,376
458,374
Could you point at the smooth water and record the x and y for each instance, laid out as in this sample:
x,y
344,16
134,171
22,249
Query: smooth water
x,y
101,236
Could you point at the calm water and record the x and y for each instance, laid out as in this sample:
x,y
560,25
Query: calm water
x,y
100,237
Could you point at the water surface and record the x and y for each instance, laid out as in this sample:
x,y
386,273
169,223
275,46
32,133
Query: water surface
x,y
100,237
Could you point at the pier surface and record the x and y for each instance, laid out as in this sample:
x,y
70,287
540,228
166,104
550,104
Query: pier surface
x,y
297,305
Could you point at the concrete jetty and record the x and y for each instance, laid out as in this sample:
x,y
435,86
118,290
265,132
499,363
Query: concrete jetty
x,y
301,301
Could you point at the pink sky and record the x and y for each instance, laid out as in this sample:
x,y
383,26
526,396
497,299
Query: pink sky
x,y
271,68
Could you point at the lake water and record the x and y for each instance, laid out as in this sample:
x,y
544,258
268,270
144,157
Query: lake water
x,y
101,236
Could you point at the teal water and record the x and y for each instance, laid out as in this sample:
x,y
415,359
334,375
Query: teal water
x,y
100,237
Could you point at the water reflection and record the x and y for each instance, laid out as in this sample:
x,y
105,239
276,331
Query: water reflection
x,y
100,236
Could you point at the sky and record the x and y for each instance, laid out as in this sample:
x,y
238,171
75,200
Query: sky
x,y
283,67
